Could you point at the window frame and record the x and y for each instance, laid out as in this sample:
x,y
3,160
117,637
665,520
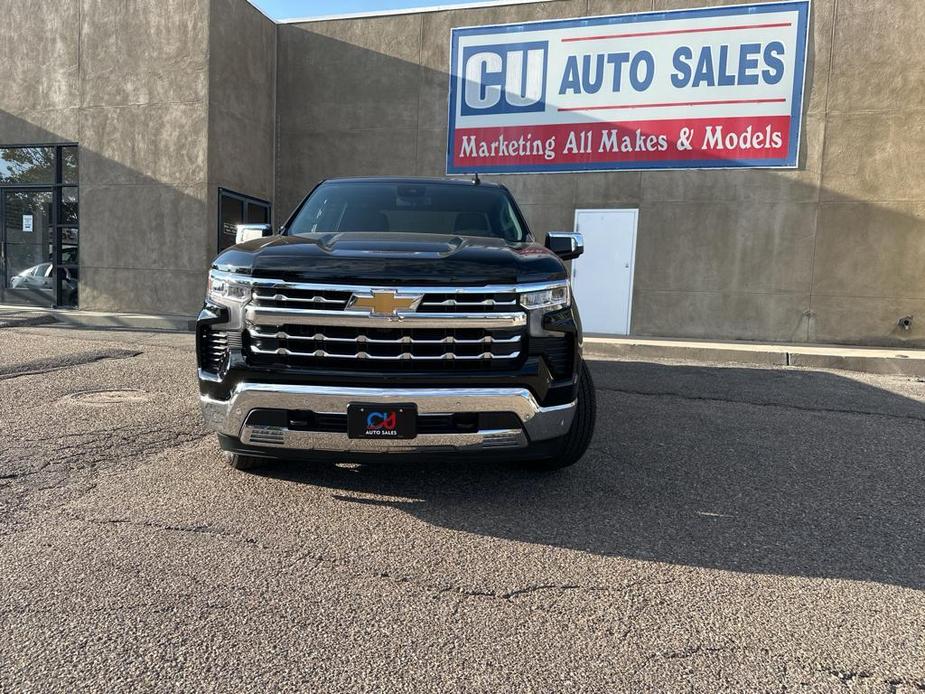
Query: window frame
x,y
56,225
246,201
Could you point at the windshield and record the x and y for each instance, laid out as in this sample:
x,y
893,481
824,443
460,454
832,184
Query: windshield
x,y
422,208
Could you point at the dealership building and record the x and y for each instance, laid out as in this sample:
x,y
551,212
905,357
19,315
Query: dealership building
x,y
743,172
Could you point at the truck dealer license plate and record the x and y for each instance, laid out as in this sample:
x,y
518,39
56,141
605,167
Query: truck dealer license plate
x,y
377,421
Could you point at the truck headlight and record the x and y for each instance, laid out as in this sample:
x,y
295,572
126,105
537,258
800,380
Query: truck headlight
x,y
223,289
550,299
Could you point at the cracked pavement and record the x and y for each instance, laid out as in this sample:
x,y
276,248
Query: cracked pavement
x,y
730,529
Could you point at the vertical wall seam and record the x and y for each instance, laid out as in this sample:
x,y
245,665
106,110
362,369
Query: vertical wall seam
x,y
211,238
274,214
417,121
80,95
819,187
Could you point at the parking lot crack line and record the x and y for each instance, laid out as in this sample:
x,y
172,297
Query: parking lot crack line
x,y
850,678
509,596
197,529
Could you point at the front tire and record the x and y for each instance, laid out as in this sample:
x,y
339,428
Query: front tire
x,y
242,462
573,445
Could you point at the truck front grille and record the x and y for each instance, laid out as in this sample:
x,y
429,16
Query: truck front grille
x,y
443,328
432,302
386,347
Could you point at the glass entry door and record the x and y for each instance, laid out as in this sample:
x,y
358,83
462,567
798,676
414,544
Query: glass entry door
x,y
39,225
28,265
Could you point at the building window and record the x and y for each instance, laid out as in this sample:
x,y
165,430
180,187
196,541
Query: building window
x,y
27,165
234,209
39,224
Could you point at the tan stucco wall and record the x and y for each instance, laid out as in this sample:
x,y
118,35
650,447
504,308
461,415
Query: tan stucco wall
x,y
831,252
170,99
128,82
242,92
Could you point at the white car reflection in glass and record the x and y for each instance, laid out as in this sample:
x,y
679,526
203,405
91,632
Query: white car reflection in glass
x,y
41,277
35,277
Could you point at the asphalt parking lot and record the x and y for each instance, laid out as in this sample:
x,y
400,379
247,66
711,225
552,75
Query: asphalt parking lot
x,y
730,529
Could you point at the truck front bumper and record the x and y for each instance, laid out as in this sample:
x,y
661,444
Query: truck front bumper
x,y
231,417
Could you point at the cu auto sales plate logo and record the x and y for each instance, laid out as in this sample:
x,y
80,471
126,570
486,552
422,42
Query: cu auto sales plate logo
x,y
382,423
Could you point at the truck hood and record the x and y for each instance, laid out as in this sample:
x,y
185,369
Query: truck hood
x,y
393,258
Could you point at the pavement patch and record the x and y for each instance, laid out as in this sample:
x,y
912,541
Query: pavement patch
x,y
66,361
104,398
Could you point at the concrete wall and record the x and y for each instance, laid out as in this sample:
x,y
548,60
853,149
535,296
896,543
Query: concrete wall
x,y
832,252
143,127
40,97
170,99
128,82
242,90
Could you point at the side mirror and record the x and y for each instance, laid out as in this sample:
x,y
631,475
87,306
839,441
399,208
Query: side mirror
x,y
249,232
565,244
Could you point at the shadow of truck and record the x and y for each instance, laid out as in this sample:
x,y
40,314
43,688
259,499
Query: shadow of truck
x,y
774,471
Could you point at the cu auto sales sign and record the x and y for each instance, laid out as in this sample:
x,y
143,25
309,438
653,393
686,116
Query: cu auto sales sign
x,y
709,88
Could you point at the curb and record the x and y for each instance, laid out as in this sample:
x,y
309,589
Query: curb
x,y
25,321
910,363
14,317
125,321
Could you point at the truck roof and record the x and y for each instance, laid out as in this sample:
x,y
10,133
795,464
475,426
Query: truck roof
x,y
411,179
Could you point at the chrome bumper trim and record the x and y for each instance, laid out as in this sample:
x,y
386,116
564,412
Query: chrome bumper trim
x,y
266,315
324,441
539,423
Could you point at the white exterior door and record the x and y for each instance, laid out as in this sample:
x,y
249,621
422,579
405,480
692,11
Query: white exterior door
x,y
602,278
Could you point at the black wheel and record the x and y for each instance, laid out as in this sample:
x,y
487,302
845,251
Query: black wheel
x,y
574,444
244,462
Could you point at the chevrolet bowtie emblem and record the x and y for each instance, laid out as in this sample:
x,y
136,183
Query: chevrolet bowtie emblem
x,y
384,303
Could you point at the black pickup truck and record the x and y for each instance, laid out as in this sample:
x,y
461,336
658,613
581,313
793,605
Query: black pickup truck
x,y
396,316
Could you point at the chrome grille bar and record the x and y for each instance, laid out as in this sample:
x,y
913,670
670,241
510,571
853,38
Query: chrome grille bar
x,y
273,316
405,340
455,302
316,299
407,356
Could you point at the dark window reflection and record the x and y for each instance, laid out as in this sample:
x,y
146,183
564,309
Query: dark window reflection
x,y
69,206
68,278
232,215
69,246
27,165
69,165
234,209
257,214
